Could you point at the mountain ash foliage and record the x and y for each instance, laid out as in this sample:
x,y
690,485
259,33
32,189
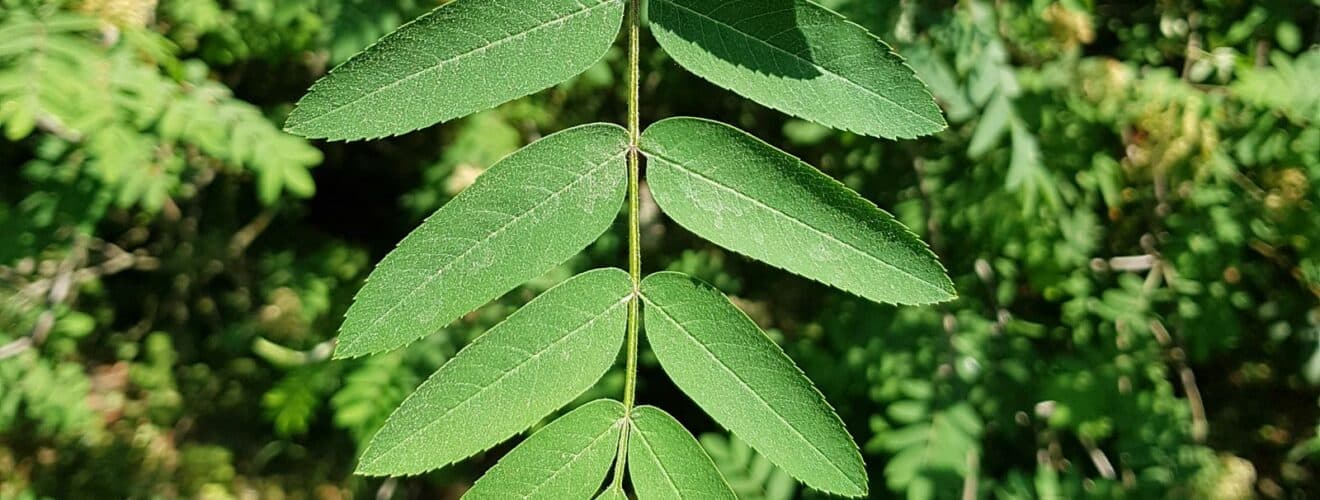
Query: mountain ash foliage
x,y
1124,200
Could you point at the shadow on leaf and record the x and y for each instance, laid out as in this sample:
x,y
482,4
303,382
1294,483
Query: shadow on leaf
x,y
761,35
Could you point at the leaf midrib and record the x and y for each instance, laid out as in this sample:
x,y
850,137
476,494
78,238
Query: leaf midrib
x,y
553,196
517,368
641,436
684,168
824,70
438,65
572,460
719,362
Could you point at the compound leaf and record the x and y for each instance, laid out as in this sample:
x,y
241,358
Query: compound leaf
x,y
728,366
666,462
539,359
747,196
528,213
567,459
460,58
800,58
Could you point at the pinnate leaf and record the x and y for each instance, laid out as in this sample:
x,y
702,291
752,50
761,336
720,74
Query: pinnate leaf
x,y
567,459
461,58
538,360
527,214
747,196
800,58
728,366
666,462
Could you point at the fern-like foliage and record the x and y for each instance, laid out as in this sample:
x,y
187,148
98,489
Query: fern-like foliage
x,y
140,120
752,476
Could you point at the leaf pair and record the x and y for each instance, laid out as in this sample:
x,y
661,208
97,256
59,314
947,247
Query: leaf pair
x,y
571,457
561,343
791,55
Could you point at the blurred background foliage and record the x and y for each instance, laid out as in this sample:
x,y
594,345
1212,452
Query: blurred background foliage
x,y
1126,199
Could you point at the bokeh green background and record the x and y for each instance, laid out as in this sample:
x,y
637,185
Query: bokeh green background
x,y
1126,199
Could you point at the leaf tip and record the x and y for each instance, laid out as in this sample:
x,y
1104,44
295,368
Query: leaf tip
x,y
345,348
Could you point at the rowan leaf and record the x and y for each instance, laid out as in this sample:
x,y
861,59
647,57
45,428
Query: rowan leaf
x,y
729,367
567,459
460,58
527,214
666,462
538,360
747,196
800,58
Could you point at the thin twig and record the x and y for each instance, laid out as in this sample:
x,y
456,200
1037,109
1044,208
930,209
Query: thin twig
x,y
1200,425
1099,459
283,356
972,477
243,239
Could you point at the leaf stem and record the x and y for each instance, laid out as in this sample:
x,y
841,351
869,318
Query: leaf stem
x,y
634,234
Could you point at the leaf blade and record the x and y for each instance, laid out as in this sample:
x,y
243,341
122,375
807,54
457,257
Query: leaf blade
x,y
665,461
476,248
709,348
516,371
800,58
612,493
745,195
458,56
567,459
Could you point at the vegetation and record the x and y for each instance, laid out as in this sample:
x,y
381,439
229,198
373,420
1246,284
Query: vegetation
x,y
1124,201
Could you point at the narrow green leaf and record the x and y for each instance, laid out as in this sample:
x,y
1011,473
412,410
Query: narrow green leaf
x,y
540,359
725,363
665,461
991,126
527,214
800,58
745,195
567,459
461,58
612,493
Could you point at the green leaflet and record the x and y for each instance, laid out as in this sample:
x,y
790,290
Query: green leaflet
x,y
745,195
612,493
528,213
540,359
461,58
725,363
800,58
666,462
568,459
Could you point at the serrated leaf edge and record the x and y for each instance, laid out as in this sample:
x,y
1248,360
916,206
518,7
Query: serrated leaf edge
x,y
361,468
948,289
863,487
339,349
941,125
641,437
616,428
292,128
